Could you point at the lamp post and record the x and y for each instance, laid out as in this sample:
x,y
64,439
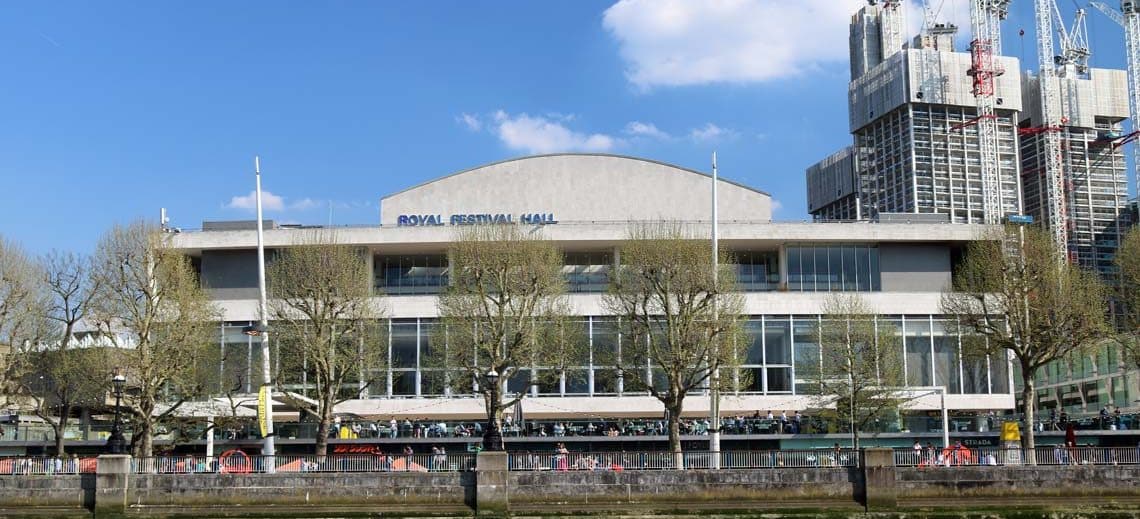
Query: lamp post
x,y
116,444
261,329
493,438
941,390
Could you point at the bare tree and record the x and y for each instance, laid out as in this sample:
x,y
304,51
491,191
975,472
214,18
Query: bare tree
x,y
861,364
682,320
1020,293
23,303
505,314
321,303
60,373
151,305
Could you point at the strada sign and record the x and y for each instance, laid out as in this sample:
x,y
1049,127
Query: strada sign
x,y
431,220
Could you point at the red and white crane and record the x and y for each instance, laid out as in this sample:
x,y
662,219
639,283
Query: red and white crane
x,y
985,47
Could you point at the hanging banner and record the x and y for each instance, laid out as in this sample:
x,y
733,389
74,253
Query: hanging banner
x,y
263,410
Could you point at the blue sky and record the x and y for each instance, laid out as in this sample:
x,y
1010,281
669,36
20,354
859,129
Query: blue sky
x,y
111,110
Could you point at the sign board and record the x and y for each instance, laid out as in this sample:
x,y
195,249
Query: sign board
x,y
434,220
1010,432
263,410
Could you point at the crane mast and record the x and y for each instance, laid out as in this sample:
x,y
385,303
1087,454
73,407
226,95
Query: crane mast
x,y
1129,19
985,23
1051,123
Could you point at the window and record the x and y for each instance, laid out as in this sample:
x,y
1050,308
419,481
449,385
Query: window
x,y
411,274
919,369
587,271
834,268
757,271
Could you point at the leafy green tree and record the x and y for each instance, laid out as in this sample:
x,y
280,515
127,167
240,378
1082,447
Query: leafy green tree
x,y
1018,291
861,364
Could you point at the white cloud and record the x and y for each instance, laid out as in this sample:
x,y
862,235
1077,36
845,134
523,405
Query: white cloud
x,y
539,134
269,201
305,204
681,42
640,129
777,205
472,122
711,132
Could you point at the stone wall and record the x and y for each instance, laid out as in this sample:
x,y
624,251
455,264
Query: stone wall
x,y
44,491
1018,481
288,489
493,490
820,486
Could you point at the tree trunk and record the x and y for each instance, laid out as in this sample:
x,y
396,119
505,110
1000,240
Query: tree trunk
x,y
675,436
322,439
60,427
1027,396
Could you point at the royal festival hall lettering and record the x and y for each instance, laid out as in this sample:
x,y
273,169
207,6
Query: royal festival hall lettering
x,y
431,220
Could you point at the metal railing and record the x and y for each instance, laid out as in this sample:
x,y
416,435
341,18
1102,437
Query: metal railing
x,y
41,465
239,463
994,456
657,460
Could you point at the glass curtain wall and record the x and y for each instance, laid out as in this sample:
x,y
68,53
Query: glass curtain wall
x,y
781,356
833,268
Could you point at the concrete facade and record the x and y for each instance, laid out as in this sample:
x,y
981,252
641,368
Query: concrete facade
x,y
578,188
588,205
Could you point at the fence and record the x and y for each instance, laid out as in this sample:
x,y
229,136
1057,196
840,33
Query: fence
x,y
237,462
39,465
645,460
1045,455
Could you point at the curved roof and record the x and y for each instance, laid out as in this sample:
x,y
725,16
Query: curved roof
x,y
586,187
613,155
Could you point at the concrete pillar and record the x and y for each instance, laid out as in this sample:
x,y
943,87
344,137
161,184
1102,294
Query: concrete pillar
x,y
879,490
112,474
492,496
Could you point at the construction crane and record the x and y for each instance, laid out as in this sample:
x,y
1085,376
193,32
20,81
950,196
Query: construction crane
x,y
1051,122
985,22
1129,18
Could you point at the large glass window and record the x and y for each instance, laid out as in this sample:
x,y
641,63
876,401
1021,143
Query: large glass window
x,y
834,268
946,358
806,344
777,343
411,274
588,271
604,345
757,271
404,344
919,369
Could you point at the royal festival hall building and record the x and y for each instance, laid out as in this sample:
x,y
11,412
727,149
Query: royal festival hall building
x,y
587,204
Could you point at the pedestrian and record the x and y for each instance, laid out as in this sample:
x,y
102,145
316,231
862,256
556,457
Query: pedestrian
x,y
797,421
917,453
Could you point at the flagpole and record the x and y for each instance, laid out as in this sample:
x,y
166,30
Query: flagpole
x,y
268,447
714,377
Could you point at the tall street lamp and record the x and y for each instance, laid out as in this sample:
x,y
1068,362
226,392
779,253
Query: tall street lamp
x,y
261,330
493,438
116,444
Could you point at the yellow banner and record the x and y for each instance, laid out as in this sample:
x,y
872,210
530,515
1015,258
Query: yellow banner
x,y
1010,432
263,410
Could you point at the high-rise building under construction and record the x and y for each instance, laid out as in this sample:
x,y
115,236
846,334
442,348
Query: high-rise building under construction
x,y
914,118
1094,104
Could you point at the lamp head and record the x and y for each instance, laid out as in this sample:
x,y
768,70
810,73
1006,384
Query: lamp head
x,y
119,380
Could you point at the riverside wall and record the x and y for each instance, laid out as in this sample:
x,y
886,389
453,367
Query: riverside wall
x,y
494,491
